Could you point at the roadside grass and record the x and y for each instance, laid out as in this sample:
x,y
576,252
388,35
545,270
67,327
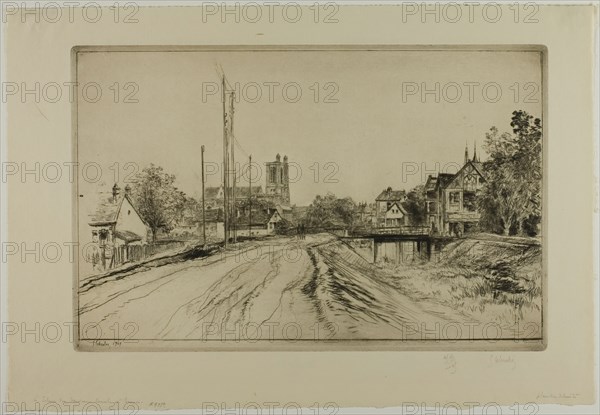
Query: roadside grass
x,y
497,285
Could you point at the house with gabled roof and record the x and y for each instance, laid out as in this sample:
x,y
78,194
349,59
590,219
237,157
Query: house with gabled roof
x,y
263,221
388,208
115,220
452,198
396,216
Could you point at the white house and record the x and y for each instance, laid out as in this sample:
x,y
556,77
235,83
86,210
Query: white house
x,y
264,222
116,221
384,208
395,216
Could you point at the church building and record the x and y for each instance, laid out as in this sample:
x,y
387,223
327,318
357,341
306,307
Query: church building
x,y
277,187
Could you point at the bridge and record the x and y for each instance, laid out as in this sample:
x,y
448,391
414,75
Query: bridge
x,y
402,243
401,232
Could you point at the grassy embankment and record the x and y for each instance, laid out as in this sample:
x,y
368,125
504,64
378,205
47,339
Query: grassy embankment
x,y
490,280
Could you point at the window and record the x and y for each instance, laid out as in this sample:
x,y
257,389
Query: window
x,y
470,202
470,183
454,198
103,234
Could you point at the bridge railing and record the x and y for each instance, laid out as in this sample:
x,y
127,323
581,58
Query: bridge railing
x,y
403,230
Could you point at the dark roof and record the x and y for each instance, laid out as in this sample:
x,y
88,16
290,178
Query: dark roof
x,y
391,195
240,191
128,236
444,179
107,208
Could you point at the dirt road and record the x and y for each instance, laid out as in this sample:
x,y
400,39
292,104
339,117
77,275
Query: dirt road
x,y
283,288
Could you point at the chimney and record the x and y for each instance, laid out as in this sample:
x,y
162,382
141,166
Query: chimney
x,y
278,157
466,153
116,190
127,190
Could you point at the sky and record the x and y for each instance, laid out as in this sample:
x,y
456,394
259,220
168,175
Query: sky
x,y
359,125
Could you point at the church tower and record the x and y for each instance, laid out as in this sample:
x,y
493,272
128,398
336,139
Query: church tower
x,y
278,181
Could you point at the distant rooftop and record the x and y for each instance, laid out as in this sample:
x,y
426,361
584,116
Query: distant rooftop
x,y
391,195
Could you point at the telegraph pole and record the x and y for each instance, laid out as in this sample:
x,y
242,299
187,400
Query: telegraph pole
x,y
234,212
203,205
250,195
225,168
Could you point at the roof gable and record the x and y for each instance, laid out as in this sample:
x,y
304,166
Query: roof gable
x,y
391,195
128,199
470,166
399,206
108,210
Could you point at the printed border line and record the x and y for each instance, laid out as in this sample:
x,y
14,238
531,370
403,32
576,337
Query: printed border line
x,y
542,49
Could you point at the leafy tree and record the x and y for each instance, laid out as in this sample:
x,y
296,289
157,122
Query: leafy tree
x,y
416,205
511,199
330,212
157,199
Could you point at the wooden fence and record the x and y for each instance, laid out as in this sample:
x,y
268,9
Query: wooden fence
x,y
135,253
